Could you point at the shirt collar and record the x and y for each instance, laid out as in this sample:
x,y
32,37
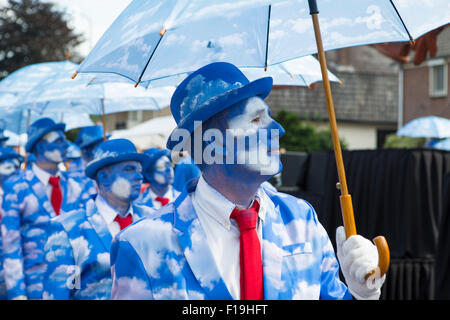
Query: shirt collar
x,y
220,208
168,194
106,211
42,175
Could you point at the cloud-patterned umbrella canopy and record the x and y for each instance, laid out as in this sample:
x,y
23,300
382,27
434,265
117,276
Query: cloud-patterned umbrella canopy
x,y
155,39
426,127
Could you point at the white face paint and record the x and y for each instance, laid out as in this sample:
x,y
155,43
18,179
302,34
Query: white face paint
x,y
8,167
51,136
253,124
54,155
121,188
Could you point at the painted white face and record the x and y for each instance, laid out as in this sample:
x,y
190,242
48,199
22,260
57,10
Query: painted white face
x,y
55,147
163,173
8,167
255,135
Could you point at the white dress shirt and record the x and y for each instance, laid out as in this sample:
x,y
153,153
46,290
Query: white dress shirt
x,y
222,233
108,213
168,195
43,177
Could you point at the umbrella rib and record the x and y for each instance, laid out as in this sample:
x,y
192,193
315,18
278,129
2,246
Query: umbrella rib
x,y
161,33
267,38
403,23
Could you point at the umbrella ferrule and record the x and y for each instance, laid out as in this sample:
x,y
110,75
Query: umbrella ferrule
x,y
313,7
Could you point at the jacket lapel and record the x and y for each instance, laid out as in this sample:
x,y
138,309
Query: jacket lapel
x,y
38,188
99,224
272,251
193,242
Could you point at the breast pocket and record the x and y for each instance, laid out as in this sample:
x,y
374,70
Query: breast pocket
x,y
297,258
301,271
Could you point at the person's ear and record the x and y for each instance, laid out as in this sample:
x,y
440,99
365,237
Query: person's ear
x,y
103,178
39,148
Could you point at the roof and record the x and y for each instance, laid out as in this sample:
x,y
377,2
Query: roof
x,y
363,97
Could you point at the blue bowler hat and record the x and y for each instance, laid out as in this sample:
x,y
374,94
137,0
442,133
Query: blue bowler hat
x,y
208,91
113,151
3,138
40,128
154,154
9,153
89,135
73,151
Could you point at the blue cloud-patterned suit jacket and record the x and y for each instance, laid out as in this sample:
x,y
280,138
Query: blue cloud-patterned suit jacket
x,y
146,199
26,214
78,246
167,256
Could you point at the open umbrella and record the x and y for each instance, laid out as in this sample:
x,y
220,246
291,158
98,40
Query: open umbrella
x,y
59,93
155,39
25,78
426,127
442,145
302,71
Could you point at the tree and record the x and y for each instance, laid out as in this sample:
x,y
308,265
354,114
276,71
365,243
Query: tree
x,y
303,136
32,31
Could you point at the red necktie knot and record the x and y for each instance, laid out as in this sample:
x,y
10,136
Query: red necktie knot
x,y
124,221
252,285
162,200
246,219
56,195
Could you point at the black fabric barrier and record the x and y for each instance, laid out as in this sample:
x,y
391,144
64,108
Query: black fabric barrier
x,y
401,194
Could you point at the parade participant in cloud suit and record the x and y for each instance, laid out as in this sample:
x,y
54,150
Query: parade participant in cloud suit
x,y
73,161
30,199
226,237
75,168
159,175
3,138
10,162
184,171
77,250
87,140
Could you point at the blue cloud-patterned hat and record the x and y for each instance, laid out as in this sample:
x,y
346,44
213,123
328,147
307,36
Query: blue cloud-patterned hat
x,y
9,153
40,128
113,151
154,154
73,151
208,91
89,135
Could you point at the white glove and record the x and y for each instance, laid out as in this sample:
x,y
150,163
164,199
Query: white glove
x,y
357,257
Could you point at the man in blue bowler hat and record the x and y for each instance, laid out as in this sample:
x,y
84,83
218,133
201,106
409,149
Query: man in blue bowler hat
x,y
10,162
88,139
77,250
226,236
158,174
30,199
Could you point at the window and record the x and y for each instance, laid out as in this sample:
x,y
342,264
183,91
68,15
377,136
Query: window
x,y
438,78
135,116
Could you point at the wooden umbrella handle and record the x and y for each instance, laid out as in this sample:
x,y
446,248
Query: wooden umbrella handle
x,y
350,230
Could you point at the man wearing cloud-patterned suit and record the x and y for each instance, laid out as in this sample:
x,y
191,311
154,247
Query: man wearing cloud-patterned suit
x,y
77,250
30,199
225,236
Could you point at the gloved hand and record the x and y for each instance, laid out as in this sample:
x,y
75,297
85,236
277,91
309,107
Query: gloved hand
x,y
357,257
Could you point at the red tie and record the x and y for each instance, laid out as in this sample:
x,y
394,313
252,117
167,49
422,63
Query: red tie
x,y
252,287
124,222
163,200
56,196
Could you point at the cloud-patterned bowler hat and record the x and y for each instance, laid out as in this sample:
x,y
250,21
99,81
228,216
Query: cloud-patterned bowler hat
x,y
113,151
40,128
89,135
208,91
9,153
